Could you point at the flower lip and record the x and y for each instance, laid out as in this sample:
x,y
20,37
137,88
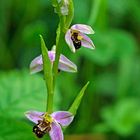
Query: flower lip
x,y
42,128
76,39
49,123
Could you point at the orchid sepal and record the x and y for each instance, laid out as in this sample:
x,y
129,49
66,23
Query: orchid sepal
x,y
64,63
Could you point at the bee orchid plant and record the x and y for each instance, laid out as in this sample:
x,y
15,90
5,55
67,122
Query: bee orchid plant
x,y
51,62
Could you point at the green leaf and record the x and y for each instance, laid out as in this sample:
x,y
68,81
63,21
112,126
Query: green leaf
x,y
77,101
47,67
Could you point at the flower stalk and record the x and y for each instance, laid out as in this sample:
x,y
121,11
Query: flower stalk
x,y
59,41
65,21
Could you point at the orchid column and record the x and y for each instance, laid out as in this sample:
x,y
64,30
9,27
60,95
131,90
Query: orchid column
x,y
53,61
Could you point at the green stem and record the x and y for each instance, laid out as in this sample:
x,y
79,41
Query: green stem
x,y
50,94
50,102
59,41
64,24
60,37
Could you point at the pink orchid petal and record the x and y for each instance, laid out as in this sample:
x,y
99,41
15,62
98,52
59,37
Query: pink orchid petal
x,y
34,116
66,65
69,41
63,117
83,28
37,64
56,132
87,42
51,55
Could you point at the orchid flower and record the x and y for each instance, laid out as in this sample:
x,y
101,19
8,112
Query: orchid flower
x,y
64,63
49,123
75,37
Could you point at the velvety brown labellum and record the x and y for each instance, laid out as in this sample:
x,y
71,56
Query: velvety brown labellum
x,y
76,41
41,128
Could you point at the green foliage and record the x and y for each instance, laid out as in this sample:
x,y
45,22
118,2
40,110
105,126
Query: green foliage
x,y
31,32
122,117
111,44
20,92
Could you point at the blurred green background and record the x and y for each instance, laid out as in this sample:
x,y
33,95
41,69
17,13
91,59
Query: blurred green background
x,y
111,106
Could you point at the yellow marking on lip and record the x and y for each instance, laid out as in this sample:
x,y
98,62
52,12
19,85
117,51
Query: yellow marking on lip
x,y
79,37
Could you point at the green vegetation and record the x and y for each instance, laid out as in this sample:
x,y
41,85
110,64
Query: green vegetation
x,y
111,103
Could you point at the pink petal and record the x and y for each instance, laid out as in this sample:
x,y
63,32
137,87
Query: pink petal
x,y
63,117
87,42
69,41
37,64
56,132
83,28
66,65
51,55
34,116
